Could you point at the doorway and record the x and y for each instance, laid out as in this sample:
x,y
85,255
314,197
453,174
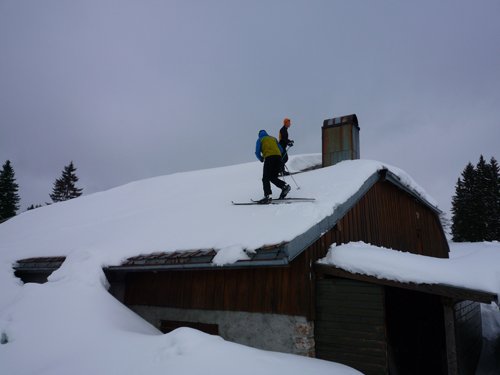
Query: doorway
x,y
415,333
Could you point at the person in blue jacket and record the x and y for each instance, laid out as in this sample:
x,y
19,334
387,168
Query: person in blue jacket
x,y
268,151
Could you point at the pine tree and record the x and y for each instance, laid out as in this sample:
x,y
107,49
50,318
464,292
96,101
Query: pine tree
x,y
482,185
64,187
460,202
33,206
493,202
9,198
476,203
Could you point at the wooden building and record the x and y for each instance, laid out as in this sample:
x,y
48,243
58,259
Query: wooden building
x,y
282,299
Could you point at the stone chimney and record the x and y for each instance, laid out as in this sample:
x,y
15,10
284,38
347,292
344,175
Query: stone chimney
x,y
340,139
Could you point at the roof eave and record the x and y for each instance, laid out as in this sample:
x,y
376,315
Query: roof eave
x,y
306,239
444,290
394,179
196,266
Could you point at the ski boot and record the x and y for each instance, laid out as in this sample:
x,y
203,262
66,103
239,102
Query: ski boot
x,y
266,200
285,191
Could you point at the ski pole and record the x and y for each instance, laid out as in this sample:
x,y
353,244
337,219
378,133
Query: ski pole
x,y
286,152
298,187
285,167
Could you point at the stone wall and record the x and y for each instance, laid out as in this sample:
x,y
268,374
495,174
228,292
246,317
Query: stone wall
x,y
281,333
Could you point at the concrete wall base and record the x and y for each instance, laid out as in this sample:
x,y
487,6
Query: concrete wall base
x,y
281,333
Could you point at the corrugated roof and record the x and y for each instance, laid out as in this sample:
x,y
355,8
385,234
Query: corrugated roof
x,y
39,264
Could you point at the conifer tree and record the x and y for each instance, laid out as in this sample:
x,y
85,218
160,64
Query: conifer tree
x,y
480,204
64,187
476,203
9,198
493,202
462,205
33,206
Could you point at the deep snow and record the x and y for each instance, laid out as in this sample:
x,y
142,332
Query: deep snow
x,y
72,325
471,265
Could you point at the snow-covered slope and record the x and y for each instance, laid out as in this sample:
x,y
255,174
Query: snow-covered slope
x,y
184,211
71,325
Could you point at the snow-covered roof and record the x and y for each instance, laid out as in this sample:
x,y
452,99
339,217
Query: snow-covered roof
x,y
470,273
184,211
193,211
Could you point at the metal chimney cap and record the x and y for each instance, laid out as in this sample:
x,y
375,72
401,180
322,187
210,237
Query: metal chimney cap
x,y
342,120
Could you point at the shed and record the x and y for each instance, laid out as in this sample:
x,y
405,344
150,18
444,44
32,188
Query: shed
x,y
272,294
277,298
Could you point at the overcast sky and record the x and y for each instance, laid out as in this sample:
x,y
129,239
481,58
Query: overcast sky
x,y
134,89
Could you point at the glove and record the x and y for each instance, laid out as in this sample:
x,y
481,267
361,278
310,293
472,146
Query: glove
x,y
290,143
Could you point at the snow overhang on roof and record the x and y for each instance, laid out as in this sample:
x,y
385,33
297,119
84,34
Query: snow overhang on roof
x,y
194,259
450,291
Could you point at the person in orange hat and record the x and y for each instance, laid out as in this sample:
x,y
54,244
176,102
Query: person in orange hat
x,y
285,142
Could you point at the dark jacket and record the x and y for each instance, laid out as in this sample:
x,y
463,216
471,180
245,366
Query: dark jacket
x,y
283,137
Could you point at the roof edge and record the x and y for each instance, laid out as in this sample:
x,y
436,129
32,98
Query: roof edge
x,y
296,246
444,290
395,180
196,266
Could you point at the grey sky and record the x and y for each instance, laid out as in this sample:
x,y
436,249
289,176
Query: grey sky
x,y
135,89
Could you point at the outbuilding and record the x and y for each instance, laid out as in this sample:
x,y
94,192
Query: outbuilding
x,y
277,297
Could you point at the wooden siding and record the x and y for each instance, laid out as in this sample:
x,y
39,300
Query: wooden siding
x,y
350,324
277,290
387,216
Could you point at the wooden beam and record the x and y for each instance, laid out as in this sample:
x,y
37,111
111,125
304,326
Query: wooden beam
x,y
449,328
456,293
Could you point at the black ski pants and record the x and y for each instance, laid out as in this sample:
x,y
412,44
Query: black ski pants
x,y
272,168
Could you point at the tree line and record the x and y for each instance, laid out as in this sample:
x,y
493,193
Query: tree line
x,y
64,189
476,203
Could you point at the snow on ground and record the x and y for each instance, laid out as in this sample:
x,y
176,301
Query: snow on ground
x,y
71,325
489,363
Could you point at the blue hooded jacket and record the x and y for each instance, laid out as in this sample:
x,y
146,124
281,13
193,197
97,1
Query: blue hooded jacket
x,y
271,146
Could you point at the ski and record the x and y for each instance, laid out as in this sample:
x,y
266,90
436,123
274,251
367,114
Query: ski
x,y
285,200
274,201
